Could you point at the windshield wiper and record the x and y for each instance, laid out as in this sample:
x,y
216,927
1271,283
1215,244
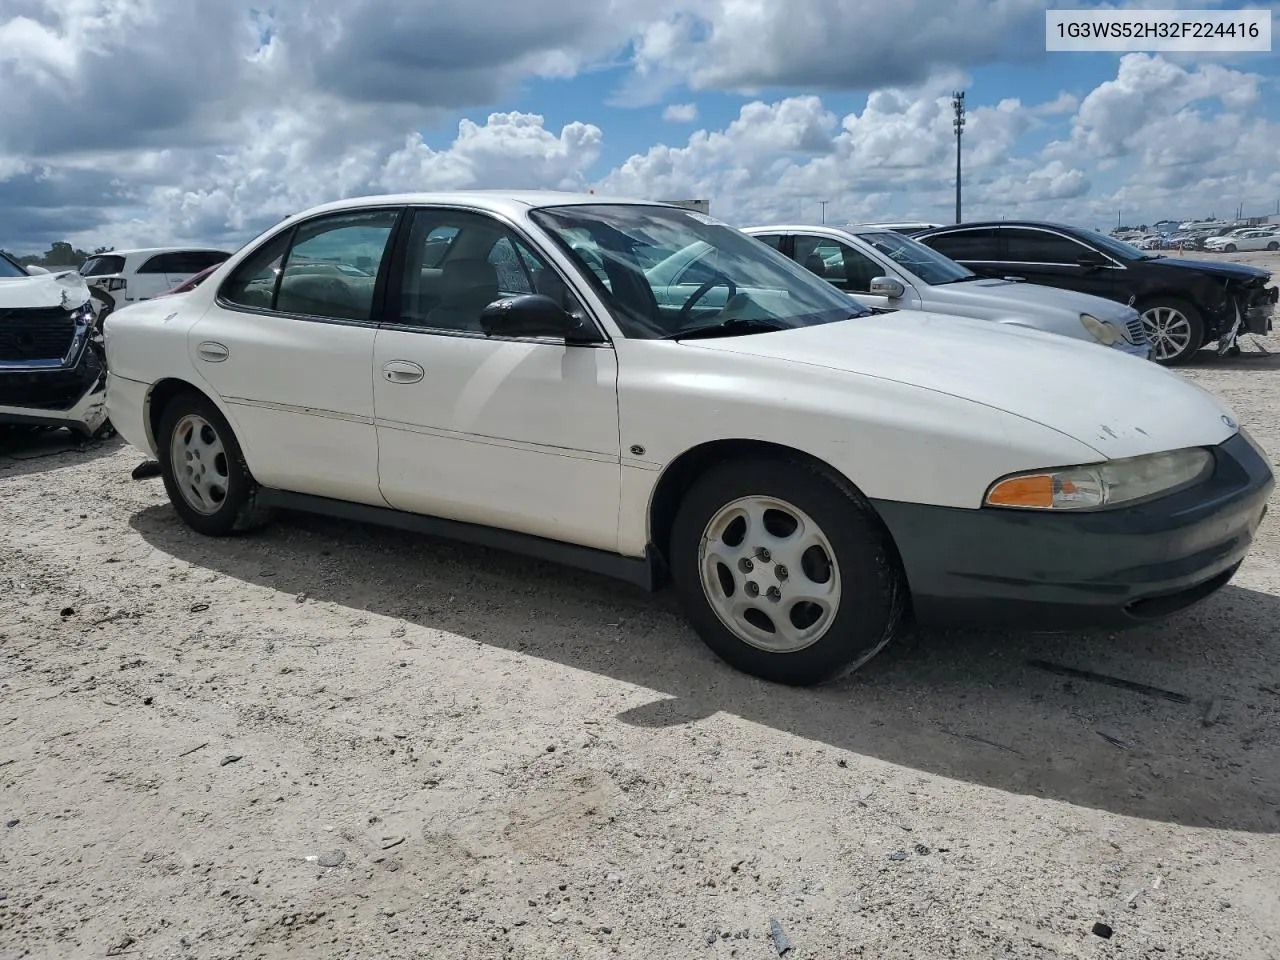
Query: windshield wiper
x,y
728,328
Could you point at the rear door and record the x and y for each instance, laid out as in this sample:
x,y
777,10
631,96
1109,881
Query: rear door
x,y
288,347
182,265
150,279
978,248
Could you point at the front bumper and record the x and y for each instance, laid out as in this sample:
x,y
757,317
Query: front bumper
x,y
66,395
1112,568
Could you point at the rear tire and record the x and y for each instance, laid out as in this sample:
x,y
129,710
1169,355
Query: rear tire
x,y
1273,245
204,471
1175,329
785,571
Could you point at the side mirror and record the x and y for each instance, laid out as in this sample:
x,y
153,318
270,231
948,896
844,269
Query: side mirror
x,y
534,315
887,287
36,271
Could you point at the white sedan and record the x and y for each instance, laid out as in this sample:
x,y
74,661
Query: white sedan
x,y
1245,240
499,368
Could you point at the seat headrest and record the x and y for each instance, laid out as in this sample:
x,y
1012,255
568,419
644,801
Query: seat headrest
x,y
815,264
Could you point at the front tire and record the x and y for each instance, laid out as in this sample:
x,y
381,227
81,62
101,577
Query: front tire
x,y
204,471
1273,245
1230,248
785,571
1175,329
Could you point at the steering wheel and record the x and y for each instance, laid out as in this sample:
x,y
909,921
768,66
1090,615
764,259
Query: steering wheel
x,y
703,290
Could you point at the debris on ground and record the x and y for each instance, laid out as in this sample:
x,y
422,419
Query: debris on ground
x,y
331,858
1102,930
781,943
229,760
1212,712
146,470
898,855
1114,741
199,607
1143,688
121,945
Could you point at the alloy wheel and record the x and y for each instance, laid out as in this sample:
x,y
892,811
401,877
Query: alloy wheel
x,y
1169,331
770,574
199,464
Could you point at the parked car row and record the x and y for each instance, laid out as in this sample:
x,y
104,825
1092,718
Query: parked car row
x,y
640,390
1185,304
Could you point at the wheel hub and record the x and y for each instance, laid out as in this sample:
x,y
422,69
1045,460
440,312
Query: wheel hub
x,y
770,574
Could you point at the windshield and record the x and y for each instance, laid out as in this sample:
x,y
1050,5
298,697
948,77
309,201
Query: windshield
x,y
925,262
9,269
1118,248
662,270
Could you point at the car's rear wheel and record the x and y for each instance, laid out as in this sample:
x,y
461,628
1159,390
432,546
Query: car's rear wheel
x,y
204,471
1175,329
1273,245
785,571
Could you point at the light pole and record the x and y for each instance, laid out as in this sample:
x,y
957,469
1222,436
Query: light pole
x,y
823,204
957,104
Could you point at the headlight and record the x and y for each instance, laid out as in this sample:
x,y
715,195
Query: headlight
x,y
1108,484
1102,331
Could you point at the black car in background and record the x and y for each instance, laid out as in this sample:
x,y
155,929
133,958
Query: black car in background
x,y
1185,304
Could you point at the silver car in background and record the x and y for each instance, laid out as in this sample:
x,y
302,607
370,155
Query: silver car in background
x,y
885,269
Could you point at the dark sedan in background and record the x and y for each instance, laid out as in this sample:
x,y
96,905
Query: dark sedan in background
x,y
1185,304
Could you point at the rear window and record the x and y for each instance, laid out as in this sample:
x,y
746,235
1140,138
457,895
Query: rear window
x,y
102,266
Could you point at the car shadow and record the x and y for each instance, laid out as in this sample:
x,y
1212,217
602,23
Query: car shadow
x,y
23,453
1254,355
968,706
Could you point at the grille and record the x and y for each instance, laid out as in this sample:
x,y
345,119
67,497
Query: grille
x,y
43,333
1137,332
45,390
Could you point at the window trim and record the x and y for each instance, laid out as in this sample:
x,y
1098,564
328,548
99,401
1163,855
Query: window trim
x,y
400,252
377,307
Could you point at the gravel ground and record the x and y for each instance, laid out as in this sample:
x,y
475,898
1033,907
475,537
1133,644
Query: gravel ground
x,y
326,740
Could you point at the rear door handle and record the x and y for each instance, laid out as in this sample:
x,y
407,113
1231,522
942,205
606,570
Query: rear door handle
x,y
402,371
212,351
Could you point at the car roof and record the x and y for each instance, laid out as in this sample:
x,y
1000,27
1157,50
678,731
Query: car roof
x,y
507,202
806,227
145,251
1046,224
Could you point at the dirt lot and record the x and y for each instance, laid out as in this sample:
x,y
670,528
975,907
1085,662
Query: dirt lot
x,y
326,740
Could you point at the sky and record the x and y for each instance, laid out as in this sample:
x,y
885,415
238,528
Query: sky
x,y
154,122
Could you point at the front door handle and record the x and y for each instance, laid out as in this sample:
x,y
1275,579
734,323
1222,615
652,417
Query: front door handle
x,y
212,351
402,371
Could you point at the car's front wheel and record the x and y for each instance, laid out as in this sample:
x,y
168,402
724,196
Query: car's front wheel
x,y
1273,245
1175,329
785,571
204,471
1229,248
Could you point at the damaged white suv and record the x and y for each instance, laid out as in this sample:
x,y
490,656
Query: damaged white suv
x,y
52,368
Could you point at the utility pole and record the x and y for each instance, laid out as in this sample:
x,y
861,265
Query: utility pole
x,y
957,104
823,204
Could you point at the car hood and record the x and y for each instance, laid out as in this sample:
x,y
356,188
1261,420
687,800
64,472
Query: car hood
x,y
1119,405
1011,296
43,290
1220,268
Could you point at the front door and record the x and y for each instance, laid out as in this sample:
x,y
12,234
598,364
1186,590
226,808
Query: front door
x,y
847,269
1053,259
520,433
290,352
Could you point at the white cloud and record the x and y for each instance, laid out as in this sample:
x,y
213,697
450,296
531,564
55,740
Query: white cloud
x,y
149,121
680,113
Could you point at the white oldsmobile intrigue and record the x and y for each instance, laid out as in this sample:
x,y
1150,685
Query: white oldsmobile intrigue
x,y
501,367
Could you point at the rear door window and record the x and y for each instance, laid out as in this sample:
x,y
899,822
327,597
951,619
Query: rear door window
x,y
978,244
